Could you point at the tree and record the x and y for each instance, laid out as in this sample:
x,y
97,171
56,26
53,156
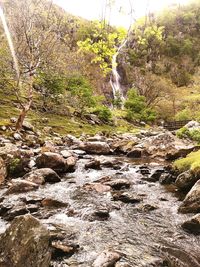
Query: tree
x,y
81,92
137,109
35,35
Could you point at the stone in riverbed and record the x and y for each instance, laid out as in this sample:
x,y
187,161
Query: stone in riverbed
x,y
135,153
20,186
41,176
192,225
186,180
126,197
101,148
191,203
93,164
107,258
25,244
118,184
55,161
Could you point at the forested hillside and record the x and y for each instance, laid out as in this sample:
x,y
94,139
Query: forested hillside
x,y
66,62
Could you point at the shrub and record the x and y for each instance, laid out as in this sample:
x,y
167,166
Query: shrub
x,y
136,108
103,113
193,135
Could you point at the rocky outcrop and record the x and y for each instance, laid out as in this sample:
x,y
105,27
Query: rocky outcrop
x,y
55,161
191,202
25,243
101,148
20,186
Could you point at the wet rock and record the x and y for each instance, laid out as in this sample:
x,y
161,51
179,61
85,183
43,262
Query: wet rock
x,y
93,164
111,163
122,264
20,186
126,197
20,210
191,203
101,148
62,248
192,225
166,178
3,171
98,187
107,258
71,163
135,153
100,214
155,176
53,161
118,184
148,207
41,176
52,203
186,180
25,243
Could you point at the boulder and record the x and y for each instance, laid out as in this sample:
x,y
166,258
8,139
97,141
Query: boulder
x,y
101,148
192,225
71,163
107,258
28,126
20,186
191,203
185,180
118,184
93,164
135,153
3,171
41,176
53,161
25,243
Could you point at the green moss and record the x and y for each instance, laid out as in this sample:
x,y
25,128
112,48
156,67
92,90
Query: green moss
x,y
191,162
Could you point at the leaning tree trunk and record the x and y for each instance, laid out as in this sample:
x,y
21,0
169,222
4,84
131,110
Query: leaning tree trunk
x,y
26,107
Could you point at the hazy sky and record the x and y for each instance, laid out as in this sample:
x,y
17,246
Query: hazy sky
x,y
92,9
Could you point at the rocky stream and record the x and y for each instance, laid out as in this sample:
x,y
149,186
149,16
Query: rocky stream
x,y
94,201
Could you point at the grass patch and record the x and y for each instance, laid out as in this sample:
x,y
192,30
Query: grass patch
x,y
191,162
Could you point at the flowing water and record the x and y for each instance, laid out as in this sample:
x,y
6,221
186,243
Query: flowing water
x,y
115,78
148,233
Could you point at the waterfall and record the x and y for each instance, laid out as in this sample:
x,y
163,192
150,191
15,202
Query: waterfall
x,y
115,77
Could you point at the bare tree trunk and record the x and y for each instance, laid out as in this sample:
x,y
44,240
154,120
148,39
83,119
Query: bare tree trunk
x,y
27,107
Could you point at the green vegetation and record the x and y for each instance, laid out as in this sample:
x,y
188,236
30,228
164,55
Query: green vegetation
x,y
193,135
137,109
191,162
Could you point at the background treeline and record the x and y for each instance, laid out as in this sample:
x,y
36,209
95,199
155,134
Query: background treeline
x,y
67,62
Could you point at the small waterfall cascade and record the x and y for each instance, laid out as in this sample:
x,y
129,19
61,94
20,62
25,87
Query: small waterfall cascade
x,y
10,42
115,77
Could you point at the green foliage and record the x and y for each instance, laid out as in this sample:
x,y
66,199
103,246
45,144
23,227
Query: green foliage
x,y
52,82
104,113
81,92
193,135
191,162
101,40
137,109
185,114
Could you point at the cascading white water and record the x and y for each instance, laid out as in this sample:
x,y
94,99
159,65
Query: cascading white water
x,y
115,77
10,42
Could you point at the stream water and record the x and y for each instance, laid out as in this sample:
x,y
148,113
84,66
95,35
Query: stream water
x,y
147,233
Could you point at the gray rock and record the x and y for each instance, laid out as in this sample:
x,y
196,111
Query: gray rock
x,y
107,258
101,148
135,153
41,176
53,161
192,225
185,180
25,243
191,203
20,186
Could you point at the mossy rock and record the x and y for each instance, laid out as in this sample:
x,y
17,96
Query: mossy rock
x,y
191,162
